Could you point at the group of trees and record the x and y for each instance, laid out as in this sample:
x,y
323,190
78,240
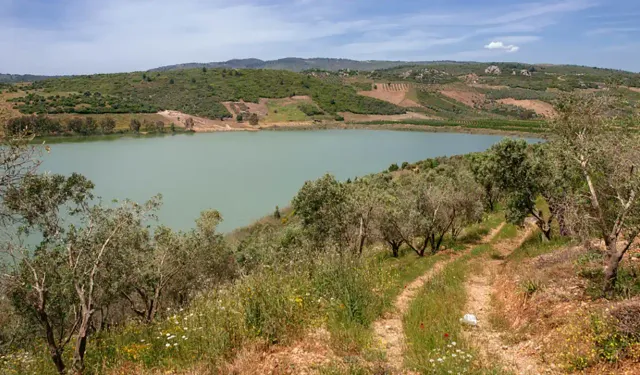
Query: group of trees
x,y
417,209
194,92
49,126
87,103
44,125
75,265
585,179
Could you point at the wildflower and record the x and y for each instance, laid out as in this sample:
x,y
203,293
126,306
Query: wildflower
x,y
440,359
446,335
431,360
453,343
421,325
168,334
184,337
453,355
142,340
175,344
167,345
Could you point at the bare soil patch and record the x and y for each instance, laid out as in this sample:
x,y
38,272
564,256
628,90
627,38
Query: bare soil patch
x,y
302,357
468,98
204,124
634,89
538,106
395,93
352,117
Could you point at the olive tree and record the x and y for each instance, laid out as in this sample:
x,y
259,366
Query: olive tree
x,y
484,168
62,281
605,149
518,174
169,266
323,205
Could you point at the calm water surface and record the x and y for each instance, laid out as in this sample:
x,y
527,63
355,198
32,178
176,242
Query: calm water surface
x,y
243,175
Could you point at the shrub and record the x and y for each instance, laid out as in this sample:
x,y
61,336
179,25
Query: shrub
x,y
393,167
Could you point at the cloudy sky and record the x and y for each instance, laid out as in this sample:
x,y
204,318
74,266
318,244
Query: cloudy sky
x,y
91,36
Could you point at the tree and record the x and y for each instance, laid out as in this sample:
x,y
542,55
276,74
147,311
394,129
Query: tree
x,y
393,167
323,208
90,126
253,119
169,266
239,118
518,174
171,81
276,213
148,126
485,171
75,125
107,125
63,280
189,123
135,125
606,151
387,220
160,126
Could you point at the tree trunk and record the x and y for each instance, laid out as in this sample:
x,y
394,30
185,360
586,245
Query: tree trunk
x,y
361,236
54,351
81,341
613,259
395,248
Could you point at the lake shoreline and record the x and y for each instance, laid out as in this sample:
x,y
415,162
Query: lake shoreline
x,y
300,127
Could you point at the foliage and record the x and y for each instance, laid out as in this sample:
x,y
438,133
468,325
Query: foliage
x,y
605,154
192,92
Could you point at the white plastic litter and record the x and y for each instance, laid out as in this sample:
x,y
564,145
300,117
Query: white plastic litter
x,y
469,319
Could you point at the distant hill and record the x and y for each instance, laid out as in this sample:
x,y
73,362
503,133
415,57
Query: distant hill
x,y
299,64
16,78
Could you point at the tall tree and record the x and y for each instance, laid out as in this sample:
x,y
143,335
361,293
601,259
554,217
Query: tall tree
x,y
602,142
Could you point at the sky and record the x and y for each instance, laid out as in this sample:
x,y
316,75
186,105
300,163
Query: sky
x,y
104,36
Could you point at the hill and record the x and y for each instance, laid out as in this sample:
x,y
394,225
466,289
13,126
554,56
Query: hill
x,y
295,64
501,96
16,78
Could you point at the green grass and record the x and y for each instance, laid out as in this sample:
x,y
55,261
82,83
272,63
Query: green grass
x,y
535,245
284,113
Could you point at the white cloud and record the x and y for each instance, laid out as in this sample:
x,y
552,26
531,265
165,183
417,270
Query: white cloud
x,y
502,46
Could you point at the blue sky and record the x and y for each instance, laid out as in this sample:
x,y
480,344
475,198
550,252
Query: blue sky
x,y
91,36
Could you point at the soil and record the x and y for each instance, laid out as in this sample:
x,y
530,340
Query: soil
x,y
519,358
300,358
204,124
395,93
389,331
538,106
634,89
468,98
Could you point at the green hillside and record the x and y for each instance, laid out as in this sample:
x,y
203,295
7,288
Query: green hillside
x,y
197,92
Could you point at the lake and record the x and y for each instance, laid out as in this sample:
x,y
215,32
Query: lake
x,y
243,175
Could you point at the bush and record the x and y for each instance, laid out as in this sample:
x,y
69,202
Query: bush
x,y
394,167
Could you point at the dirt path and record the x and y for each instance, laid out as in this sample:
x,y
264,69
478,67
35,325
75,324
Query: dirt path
x,y
389,331
483,337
